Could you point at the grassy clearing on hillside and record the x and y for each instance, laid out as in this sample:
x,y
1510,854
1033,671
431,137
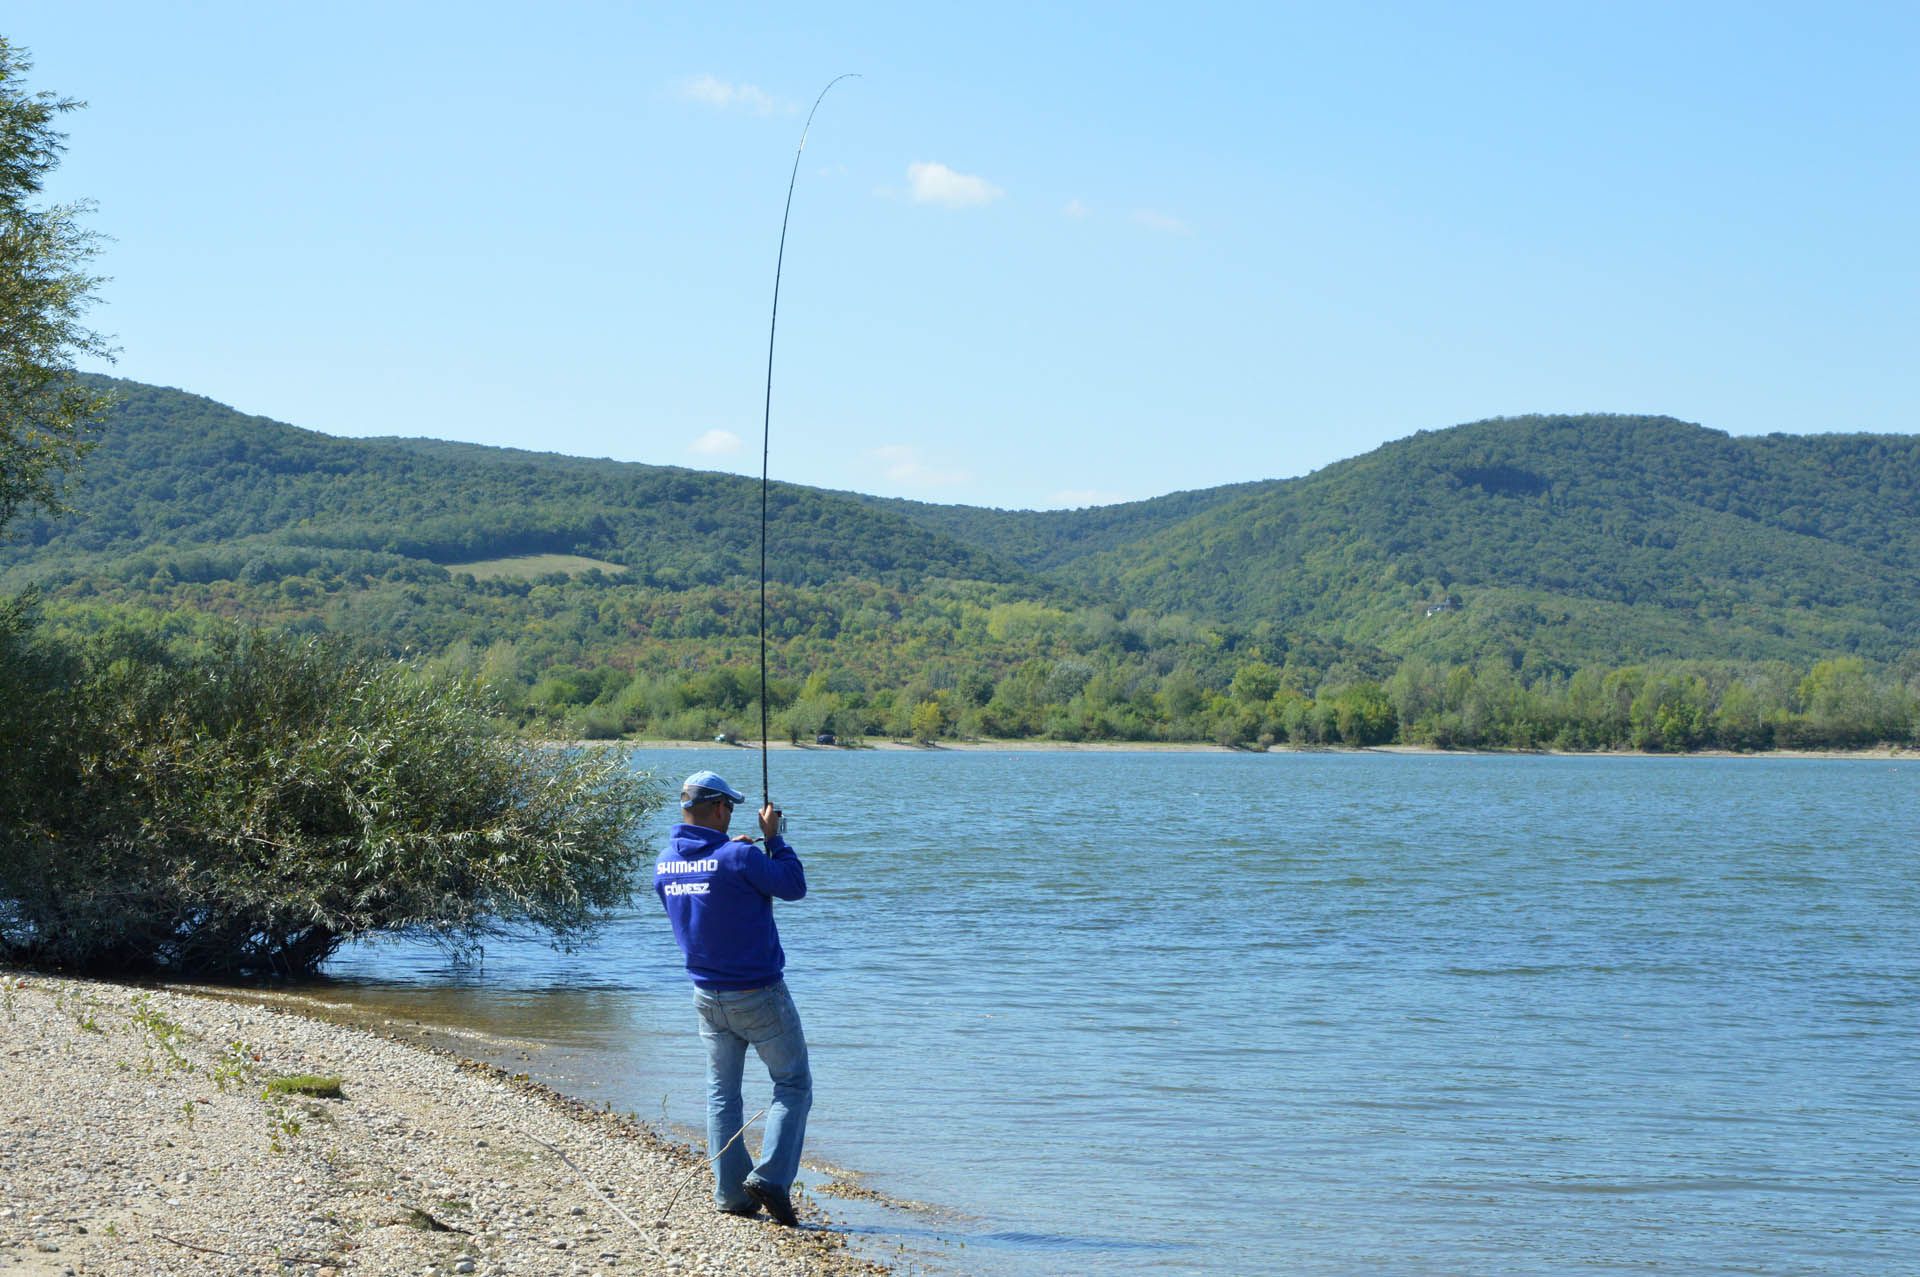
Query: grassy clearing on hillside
x,y
525,567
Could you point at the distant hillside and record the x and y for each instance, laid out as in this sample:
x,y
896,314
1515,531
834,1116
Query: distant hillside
x,y
1043,539
179,471
1570,538
1544,542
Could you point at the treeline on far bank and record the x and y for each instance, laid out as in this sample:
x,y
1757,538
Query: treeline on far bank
x,y
942,664
1659,706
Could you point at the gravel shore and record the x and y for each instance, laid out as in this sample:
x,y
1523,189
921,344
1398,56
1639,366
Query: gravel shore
x,y
141,1132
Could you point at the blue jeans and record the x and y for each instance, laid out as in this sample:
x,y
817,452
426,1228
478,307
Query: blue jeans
x,y
766,1020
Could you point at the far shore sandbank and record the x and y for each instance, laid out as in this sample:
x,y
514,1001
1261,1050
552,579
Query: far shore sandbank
x,y
1880,752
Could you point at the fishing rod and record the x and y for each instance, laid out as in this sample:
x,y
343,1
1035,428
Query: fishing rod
x,y
766,433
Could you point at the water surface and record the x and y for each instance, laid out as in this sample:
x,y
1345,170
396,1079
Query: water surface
x,y
1309,1013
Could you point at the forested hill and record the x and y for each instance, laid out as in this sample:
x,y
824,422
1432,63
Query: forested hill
x,y
1044,539
1582,538
1579,538
177,472
1548,542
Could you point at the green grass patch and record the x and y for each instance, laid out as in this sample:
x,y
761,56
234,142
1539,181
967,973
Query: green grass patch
x,y
312,1084
525,567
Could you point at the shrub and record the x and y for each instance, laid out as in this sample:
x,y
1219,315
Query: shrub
x,y
595,722
245,807
1363,715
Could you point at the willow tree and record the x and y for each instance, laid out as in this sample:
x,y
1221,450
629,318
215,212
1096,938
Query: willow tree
x,y
244,808
45,291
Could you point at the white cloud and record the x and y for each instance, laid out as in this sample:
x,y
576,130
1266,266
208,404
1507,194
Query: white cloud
x,y
1074,208
904,464
717,443
1162,222
1077,498
709,91
938,184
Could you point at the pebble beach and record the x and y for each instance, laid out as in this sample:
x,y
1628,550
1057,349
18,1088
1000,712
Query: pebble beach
x,y
160,1131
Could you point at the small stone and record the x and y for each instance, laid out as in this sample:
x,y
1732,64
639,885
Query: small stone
x,y
464,1264
560,1243
578,1210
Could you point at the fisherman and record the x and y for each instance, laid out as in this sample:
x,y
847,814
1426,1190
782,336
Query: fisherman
x,y
719,895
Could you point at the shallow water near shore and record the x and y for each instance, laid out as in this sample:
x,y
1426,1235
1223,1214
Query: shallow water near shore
x,y
1304,1013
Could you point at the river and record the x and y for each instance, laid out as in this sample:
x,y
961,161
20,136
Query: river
x,y
1305,1013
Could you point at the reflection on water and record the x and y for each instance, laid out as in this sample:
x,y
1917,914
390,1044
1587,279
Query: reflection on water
x,y
1146,1013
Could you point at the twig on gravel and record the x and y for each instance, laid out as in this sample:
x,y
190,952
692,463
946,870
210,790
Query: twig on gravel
x,y
230,1254
418,1218
204,1250
653,1238
709,1162
595,1187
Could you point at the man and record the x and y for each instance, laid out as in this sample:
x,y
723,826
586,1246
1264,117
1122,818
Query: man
x,y
719,895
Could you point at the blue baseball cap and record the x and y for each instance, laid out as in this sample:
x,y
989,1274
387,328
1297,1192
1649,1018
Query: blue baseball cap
x,y
702,786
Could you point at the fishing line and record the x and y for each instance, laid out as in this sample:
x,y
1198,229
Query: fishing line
x,y
766,426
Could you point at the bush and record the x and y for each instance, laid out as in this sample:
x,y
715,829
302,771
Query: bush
x,y
244,808
1363,715
595,722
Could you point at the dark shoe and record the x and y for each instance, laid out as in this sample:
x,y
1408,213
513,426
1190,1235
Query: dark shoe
x,y
745,1211
775,1199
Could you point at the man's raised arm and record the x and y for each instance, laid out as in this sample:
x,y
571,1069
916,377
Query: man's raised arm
x,y
776,871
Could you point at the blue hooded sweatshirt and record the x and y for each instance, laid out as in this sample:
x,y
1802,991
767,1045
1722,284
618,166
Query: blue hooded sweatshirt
x,y
719,896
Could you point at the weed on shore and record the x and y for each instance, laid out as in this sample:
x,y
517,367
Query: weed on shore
x,y
314,1085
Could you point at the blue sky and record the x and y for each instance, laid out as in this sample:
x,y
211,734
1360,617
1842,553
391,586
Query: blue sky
x,y
1040,255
